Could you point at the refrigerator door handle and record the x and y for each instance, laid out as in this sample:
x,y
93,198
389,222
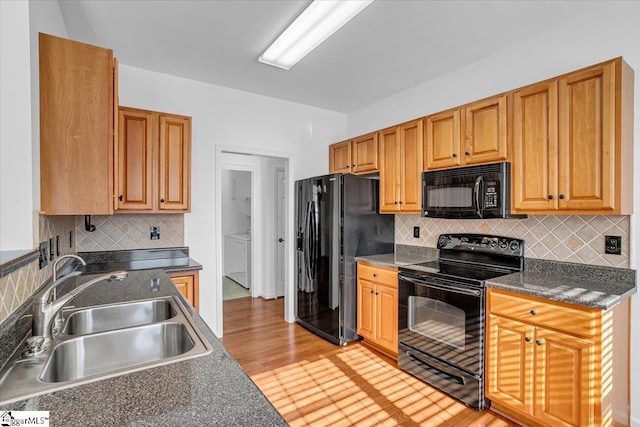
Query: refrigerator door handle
x,y
307,238
313,235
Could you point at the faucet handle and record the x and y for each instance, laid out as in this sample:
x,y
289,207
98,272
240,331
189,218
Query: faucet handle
x,y
34,346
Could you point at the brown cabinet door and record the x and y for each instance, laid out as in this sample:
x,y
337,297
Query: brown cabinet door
x,y
364,154
135,159
174,173
387,317
188,285
587,141
411,167
366,309
389,170
76,128
564,384
340,157
485,124
509,372
442,140
535,142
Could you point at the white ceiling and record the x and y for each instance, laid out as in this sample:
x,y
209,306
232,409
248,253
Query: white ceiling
x,y
391,46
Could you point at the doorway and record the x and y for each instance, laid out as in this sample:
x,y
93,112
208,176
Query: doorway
x,y
236,229
269,208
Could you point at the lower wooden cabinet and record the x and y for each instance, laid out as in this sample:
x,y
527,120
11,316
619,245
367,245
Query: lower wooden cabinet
x,y
187,283
555,364
378,307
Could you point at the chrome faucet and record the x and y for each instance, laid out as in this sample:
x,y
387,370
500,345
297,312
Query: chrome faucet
x,y
45,309
55,265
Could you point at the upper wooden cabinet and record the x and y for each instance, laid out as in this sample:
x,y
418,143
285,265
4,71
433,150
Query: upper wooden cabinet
x,y
356,156
401,168
572,143
154,161
77,105
476,133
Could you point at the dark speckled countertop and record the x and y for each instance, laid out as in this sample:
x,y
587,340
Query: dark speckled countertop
x,y
211,390
580,284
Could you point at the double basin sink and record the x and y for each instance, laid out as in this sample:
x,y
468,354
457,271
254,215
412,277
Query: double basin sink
x,y
105,341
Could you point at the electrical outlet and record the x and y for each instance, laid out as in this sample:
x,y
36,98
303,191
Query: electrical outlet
x,y
42,257
416,232
613,245
154,233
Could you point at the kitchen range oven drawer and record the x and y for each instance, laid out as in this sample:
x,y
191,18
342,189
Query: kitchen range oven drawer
x,y
536,311
377,274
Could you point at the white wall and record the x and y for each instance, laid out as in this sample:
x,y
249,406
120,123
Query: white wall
x,y
15,133
607,31
230,118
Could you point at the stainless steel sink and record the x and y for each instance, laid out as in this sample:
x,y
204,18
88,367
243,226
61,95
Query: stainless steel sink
x,y
115,316
169,336
114,350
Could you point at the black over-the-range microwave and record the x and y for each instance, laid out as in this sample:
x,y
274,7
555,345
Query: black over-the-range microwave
x,y
469,192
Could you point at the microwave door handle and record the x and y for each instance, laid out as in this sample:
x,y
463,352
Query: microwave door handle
x,y
476,195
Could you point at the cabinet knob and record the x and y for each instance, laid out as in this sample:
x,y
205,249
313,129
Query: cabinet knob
x,y
539,342
120,197
161,200
377,293
527,339
372,292
395,202
400,202
533,312
375,275
346,166
550,197
466,153
454,155
353,166
561,197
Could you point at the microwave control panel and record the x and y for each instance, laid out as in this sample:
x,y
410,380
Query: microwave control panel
x,y
492,195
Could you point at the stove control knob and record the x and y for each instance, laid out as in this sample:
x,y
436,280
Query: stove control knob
x,y
514,245
503,244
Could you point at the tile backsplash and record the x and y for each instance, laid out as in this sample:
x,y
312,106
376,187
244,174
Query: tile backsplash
x,y
129,231
19,285
570,238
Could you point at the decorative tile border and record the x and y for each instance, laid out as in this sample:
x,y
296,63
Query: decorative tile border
x,y
572,238
129,231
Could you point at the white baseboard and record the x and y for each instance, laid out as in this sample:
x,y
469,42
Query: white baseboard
x,y
635,422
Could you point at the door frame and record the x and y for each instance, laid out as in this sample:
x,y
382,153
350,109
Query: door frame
x,y
277,171
289,311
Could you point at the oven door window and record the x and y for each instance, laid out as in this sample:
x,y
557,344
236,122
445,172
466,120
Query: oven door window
x,y
437,320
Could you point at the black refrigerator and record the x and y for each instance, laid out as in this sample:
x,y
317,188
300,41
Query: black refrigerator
x,y
337,220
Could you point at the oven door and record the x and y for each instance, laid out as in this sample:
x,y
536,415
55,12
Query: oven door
x,y
443,319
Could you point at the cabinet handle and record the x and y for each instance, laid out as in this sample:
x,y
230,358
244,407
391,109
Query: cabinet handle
x,y
533,312
120,197
561,197
454,155
550,197
466,153
527,339
539,342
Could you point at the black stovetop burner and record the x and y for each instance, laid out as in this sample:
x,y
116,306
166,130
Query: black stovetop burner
x,y
473,258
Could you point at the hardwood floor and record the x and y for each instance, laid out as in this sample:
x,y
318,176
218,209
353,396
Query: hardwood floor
x,y
312,382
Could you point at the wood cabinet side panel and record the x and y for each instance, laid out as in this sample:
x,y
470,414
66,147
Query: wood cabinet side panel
x,y
76,127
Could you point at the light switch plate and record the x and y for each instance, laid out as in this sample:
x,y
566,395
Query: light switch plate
x,y
154,233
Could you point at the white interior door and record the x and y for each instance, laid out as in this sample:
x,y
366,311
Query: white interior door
x,y
281,209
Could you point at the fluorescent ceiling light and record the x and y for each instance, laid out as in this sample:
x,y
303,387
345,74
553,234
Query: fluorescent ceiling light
x,y
318,21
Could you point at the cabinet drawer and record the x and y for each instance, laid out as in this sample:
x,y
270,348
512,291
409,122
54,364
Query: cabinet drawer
x,y
386,276
546,314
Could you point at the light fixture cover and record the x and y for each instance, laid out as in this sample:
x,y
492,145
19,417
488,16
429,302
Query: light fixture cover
x,y
318,21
